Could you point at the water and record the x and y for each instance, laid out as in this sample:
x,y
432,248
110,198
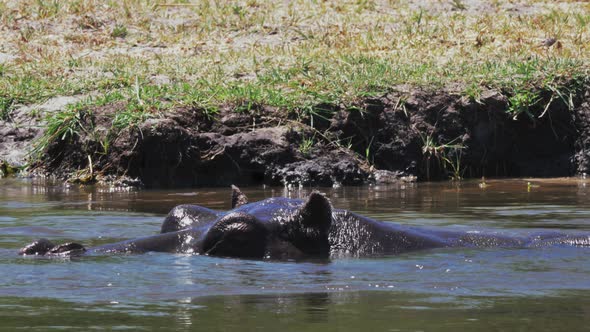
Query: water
x,y
438,290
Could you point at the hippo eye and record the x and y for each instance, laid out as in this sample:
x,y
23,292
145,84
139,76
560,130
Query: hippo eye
x,y
236,235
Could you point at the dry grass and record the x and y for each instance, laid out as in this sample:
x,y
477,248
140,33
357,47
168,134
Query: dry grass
x,y
290,54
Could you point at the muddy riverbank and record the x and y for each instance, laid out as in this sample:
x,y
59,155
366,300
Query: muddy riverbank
x,y
405,135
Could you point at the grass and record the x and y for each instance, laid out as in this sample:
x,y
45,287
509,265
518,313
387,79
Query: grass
x,y
446,155
521,103
6,105
306,146
292,55
119,31
62,125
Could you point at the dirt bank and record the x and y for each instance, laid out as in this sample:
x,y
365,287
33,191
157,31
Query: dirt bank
x,y
404,135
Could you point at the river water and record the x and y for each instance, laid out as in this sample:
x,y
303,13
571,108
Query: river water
x,y
534,289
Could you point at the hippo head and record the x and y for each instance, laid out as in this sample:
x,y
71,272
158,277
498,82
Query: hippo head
x,y
297,233
45,247
276,228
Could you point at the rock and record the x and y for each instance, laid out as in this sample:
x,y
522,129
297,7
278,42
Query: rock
x,y
331,169
382,176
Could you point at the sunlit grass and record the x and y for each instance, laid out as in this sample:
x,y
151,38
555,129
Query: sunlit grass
x,y
286,54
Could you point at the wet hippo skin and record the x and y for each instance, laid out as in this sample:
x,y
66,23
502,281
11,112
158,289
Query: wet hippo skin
x,y
283,228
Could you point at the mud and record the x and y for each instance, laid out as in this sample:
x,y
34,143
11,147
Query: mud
x,y
405,135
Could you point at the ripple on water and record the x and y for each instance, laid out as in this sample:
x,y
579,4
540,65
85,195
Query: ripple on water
x,y
186,287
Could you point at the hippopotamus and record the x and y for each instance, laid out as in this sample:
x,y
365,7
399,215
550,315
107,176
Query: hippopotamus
x,y
282,228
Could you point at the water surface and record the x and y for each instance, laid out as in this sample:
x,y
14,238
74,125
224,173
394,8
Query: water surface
x,y
443,289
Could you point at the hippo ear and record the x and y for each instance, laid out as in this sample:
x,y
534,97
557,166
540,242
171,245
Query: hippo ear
x,y
237,197
316,211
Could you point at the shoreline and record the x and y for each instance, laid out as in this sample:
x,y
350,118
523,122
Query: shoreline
x,y
432,135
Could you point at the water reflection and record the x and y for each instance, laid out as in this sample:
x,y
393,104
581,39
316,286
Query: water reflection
x,y
364,311
380,311
444,197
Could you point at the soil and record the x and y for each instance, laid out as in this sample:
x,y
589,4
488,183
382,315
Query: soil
x,y
405,135
24,125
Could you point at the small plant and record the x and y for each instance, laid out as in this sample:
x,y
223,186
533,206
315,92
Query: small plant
x,y
85,175
368,151
306,146
48,8
565,94
521,102
239,11
130,117
26,33
64,125
314,112
60,126
447,155
194,97
7,170
349,144
400,105
473,92
105,144
89,22
6,105
364,5
119,31
452,160
74,62
458,5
